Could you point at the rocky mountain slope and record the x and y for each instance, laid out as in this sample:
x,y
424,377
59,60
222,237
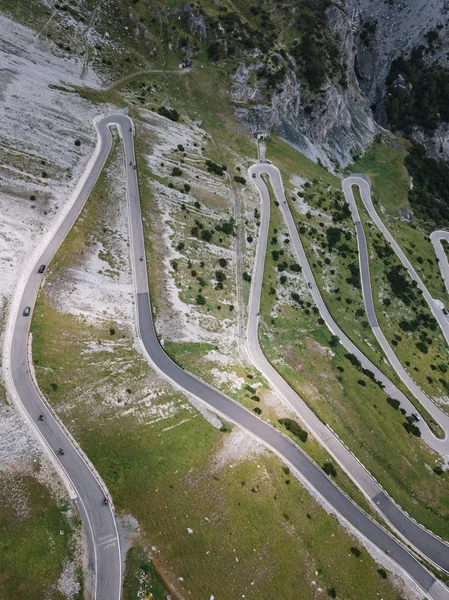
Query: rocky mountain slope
x,y
387,31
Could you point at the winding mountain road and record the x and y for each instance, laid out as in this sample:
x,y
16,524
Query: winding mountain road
x,y
99,522
440,416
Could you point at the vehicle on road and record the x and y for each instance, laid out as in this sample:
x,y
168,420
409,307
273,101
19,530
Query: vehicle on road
x,y
130,163
416,417
445,311
135,167
26,312
309,283
41,269
254,176
141,258
61,451
41,417
105,501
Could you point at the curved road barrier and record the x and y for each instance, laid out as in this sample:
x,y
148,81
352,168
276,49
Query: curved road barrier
x,y
104,550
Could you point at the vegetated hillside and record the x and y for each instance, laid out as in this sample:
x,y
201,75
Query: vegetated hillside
x,y
290,61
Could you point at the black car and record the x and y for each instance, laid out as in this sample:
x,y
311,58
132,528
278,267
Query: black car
x,y
26,312
41,269
445,311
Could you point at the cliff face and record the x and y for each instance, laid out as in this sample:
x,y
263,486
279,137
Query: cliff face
x,y
332,124
389,30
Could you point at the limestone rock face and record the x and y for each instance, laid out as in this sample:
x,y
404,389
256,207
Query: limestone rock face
x,y
332,125
398,27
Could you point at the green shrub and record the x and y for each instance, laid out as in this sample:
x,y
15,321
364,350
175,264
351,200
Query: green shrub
x,y
393,402
200,299
169,113
295,428
239,179
176,172
334,341
206,235
226,227
422,347
412,428
329,469
382,573
214,168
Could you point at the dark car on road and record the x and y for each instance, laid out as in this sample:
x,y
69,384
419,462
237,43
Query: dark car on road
x,y
445,311
26,312
416,417
41,269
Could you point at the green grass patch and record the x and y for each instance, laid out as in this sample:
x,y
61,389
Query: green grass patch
x,y
31,563
141,578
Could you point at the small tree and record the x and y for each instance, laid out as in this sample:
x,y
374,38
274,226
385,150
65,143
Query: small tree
x,y
200,299
176,172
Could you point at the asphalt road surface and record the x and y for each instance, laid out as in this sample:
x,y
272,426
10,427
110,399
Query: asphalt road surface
x,y
441,446
99,523
432,547
104,559
365,192
436,238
